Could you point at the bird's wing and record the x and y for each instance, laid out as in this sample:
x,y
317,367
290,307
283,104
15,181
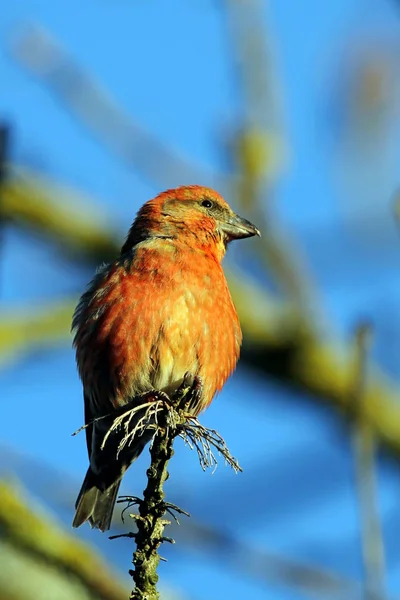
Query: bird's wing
x,y
88,423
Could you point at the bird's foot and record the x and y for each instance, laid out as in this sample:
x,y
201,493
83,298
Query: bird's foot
x,y
189,393
155,395
186,385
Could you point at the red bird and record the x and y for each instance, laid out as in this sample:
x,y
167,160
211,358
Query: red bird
x,y
162,309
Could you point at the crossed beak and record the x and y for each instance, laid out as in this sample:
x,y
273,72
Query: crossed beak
x,y
236,228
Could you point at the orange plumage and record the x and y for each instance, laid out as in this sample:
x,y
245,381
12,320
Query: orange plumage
x,y
162,309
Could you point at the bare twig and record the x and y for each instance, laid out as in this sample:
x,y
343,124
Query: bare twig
x,y
258,152
44,544
205,442
146,420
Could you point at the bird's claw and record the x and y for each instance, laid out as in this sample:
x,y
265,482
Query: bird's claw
x,y
155,395
189,392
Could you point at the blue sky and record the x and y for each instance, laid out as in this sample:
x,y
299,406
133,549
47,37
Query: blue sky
x,y
167,65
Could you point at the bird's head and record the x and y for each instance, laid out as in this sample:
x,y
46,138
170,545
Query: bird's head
x,y
194,215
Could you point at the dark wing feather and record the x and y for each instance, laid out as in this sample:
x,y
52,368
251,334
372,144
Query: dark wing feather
x,y
88,423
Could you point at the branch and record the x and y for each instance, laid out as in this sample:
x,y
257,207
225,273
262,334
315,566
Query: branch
x,y
168,418
62,214
364,449
24,329
36,536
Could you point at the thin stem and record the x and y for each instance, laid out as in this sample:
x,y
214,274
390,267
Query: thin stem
x,y
150,522
169,418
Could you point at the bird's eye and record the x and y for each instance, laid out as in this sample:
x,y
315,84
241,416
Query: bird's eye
x,y
207,203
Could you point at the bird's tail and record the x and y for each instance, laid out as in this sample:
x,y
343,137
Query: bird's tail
x,y
95,505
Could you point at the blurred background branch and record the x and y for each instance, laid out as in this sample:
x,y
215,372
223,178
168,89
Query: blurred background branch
x,y
259,150
284,329
39,560
66,217
367,489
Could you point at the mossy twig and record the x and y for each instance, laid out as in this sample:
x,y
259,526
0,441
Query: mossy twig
x,y
169,417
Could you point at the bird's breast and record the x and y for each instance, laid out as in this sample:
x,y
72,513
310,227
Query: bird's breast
x,y
199,333
144,326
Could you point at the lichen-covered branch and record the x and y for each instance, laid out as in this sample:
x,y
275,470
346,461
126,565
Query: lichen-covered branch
x,y
169,418
259,151
63,215
150,521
